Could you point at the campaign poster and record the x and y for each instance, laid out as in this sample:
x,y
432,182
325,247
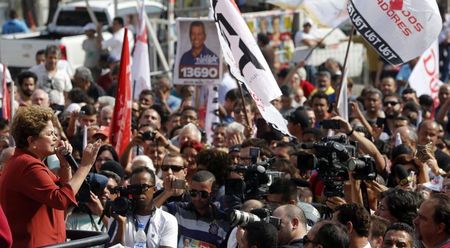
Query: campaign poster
x,y
198,59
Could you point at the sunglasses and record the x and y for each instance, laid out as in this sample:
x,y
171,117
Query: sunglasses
x,y
393,103
137,189
174,168
203,194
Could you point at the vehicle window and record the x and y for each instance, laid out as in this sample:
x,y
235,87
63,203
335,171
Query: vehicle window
x,y
78,18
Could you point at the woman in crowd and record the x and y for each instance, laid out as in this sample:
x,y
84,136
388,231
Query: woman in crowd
x,y
33,198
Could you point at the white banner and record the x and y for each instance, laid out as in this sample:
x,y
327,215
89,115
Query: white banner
x,y
246,61
425,76
399,30
286,4
140,68
212,112
342,104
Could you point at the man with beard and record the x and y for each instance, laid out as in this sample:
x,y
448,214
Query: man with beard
x,y
160,227
393,107
27,84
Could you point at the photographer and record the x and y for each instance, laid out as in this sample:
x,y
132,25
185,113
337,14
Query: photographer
x,y
174,176
160,227
293,226
200,220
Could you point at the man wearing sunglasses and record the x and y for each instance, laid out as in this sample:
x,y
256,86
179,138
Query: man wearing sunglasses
x,y
200,222
393,107
159,226
173,174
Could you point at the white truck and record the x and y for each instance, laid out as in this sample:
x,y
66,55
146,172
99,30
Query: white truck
x,y
18,51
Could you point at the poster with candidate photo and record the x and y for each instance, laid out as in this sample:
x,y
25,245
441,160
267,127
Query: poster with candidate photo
x,y
198,59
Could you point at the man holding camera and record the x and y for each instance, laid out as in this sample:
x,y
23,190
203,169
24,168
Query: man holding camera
x,y
160,227
173,174
200,222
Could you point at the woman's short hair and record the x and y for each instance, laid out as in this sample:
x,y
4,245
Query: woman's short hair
x,y
30,121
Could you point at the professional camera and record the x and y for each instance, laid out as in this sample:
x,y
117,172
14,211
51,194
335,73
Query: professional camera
x,y
335,157
149,135
257,178
124,204
241,218
94,183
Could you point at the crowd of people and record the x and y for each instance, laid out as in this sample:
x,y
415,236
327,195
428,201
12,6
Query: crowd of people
x,y
379,179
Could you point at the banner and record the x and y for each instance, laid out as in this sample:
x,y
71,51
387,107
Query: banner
x,y
398,30
198,59
212,112
286,4
141,66
121,121
424,77
246,61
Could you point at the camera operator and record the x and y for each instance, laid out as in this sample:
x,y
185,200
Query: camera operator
x,y
200,220
160,227
173,174
293,226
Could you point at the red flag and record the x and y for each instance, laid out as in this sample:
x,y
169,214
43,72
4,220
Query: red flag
x,y
121,122
6,100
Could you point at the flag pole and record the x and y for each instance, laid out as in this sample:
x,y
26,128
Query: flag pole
x,y
247,119
344,67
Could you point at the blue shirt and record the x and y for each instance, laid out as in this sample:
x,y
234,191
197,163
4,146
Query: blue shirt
x,y
14,26
206,57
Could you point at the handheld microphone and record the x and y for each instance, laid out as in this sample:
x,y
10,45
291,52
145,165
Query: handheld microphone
x,y
68,156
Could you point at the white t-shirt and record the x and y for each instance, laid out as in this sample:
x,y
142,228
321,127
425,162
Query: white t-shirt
x,y
2,74
114,44
55,86
162,230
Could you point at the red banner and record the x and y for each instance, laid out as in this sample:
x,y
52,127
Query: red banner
x,y
6,100
121,122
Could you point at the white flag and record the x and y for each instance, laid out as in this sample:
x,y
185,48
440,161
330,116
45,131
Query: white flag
x,y
246,61
329,13
425,76
212,111
342,104
399,30
140,68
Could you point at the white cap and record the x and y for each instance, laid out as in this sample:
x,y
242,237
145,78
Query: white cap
x,y
89,26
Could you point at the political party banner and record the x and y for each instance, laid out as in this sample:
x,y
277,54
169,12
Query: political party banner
x,y
198,60
399,30
121,121
425,76
140,68
246,61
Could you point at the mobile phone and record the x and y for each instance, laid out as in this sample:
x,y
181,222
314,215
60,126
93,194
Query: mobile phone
x,y
331,124
254,154
380,121
179,184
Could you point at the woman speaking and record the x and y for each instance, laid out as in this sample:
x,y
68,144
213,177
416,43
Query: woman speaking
x,y
33,198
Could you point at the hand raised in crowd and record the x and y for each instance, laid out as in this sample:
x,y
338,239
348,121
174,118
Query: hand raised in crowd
x,y
335,201
167,184
90,154
345,127
375,186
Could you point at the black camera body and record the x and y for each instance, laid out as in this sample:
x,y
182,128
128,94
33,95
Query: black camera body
x,y
124,204
256,178
241,218
149,135
336,156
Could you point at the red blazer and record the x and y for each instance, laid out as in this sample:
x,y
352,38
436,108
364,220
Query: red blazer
x,y
34,201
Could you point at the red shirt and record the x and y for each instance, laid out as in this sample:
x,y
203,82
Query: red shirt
x,y
34,201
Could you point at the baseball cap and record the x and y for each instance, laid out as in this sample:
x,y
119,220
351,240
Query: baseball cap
x,y
89,26
102,132
115,167
311,213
